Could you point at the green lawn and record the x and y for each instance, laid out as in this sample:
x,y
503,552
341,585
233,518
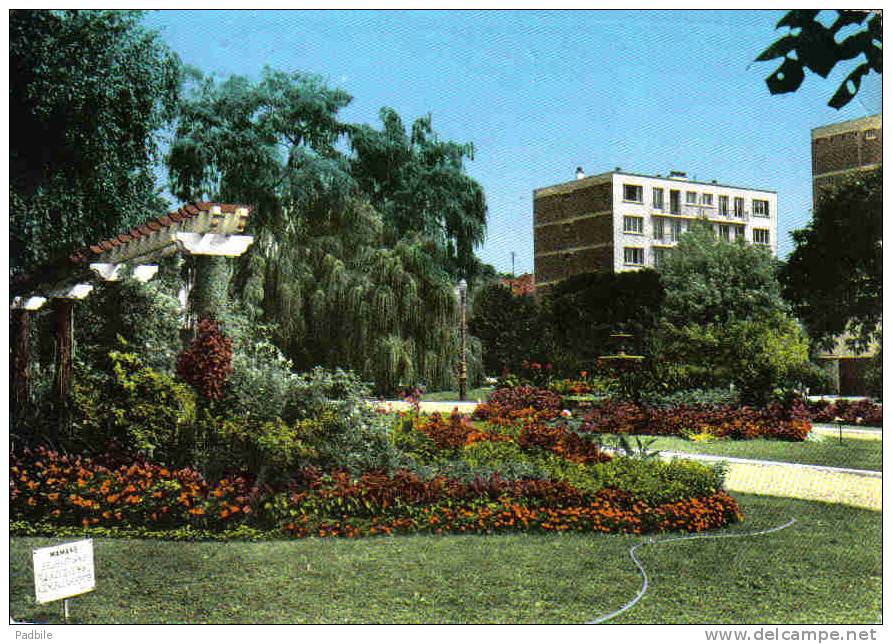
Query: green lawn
x,y
826,568
861,454
481,393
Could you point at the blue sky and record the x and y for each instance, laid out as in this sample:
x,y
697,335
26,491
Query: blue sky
x,y
540,93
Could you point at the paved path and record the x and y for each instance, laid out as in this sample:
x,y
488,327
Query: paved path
x,y
429,407
848,431
860,488
811,484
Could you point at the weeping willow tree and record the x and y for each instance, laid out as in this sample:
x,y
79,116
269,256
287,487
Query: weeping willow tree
x,y
419,184
325,270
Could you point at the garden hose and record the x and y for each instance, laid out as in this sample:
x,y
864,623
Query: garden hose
x,y
651,541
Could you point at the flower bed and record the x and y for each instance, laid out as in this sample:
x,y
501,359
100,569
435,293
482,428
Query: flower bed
x,y
511,406
773,421
456,432
507,405
73,490
851,412
51,489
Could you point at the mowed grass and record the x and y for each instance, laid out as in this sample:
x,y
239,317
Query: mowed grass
x,y
473,395
856,453
824,569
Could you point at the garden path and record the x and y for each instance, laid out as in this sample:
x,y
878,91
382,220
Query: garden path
x,y
859,488
851,431
429,407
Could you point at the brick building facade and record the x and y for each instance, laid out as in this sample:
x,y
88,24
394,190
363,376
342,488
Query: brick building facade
x,y
839,149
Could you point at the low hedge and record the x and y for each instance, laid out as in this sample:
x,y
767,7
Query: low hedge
x,y
774,421
81,493
851,412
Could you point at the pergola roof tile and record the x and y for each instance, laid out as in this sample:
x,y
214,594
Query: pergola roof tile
x,y
78,259
185,212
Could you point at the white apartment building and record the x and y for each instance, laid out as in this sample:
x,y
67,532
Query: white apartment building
x,y
651,212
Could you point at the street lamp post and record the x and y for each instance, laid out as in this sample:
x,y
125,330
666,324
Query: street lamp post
x,y
462,290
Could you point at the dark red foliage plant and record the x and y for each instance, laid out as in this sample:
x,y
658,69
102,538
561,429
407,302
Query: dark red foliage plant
x,y
781,422
510,403
852,412
207,363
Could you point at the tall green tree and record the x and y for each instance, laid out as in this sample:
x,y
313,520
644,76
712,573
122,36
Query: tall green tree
x,y
584,310
336,288
813,46
834,276
89,93
709,280
724,321
511,328
419,184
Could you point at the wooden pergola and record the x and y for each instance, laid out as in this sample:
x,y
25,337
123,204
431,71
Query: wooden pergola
x,y
199,229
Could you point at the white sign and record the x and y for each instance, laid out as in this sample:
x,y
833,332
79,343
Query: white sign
x,y
63,571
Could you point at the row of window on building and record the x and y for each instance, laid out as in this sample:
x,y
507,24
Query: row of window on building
x,y
635,194
634,255
665,229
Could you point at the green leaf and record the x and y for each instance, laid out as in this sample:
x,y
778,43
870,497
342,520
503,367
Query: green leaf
x,y
779,48
786,78
843,94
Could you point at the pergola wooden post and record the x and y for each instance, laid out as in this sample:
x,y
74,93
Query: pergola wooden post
x,y
20,345
20,360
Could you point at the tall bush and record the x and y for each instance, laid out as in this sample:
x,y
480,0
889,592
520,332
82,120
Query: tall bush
x,y
584,310
511,328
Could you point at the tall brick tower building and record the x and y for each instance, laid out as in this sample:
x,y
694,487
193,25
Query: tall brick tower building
x,y
839,149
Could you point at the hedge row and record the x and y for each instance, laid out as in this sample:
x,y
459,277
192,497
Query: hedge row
x,y
790,423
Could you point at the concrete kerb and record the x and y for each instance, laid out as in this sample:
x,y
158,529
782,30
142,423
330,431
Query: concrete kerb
x,y
859,430
795,466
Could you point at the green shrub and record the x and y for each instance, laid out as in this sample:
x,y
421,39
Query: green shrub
x,y
135,408
509,460
757,356
713,396
660,481
409,440
261,380
148,315
510,327
270,449
336,422
873,376
582,312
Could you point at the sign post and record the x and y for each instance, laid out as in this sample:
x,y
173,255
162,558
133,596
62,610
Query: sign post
x,y
63,571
